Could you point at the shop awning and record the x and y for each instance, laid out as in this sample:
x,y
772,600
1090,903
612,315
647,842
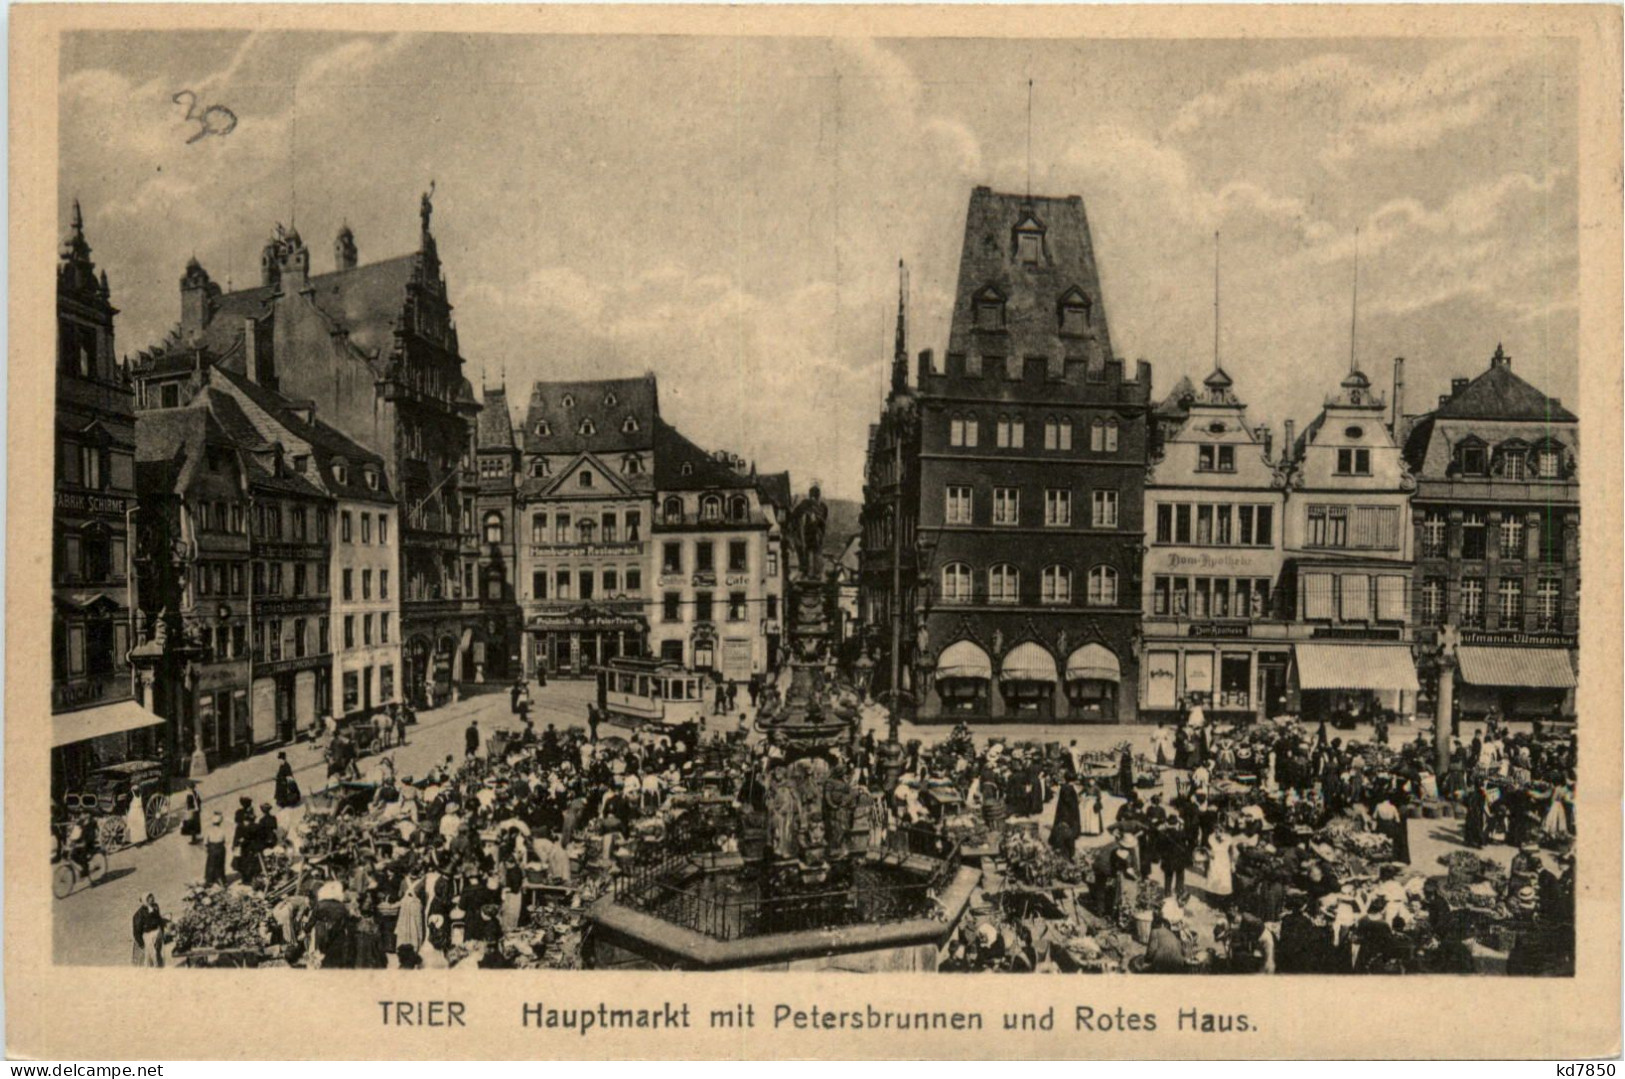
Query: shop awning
x,y
963,659
71,727
1355,666
1533,668
1028,662
1093,662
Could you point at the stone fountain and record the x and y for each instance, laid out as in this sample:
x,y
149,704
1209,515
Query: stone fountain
x,y
811,887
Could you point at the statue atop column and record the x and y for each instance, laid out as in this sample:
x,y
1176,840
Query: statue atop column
x,y
809,519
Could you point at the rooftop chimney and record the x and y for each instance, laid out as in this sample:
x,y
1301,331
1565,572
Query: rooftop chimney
x,y
1288,445
1457,385
1500,359
1399,397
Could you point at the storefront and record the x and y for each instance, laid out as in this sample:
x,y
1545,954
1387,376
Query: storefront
x,y
574,643
1093,680
1354,680
1236,678
93,738
963,676
1517,682
1027,680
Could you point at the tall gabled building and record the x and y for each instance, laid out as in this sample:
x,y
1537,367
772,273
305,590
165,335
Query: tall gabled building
x,y
493,477
373,347
586,498
1497,518
1019,494
96,719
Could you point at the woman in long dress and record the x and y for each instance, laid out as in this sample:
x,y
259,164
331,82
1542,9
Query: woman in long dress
x,y
1556,823
135,821
409,926
1093,818
214,846
1220,882
1064,829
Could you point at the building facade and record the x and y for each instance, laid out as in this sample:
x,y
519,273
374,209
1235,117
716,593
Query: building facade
x,y
1214,512
373,348
1497,538
493,476
97,720
1347,560
1022,480
353,594
717,564
584,507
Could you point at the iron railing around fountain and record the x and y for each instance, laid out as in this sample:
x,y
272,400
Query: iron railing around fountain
x,y
654,888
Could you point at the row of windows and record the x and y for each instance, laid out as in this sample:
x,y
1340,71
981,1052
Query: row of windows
x,y
1509,598
1510,460
94,467
587,426
711,509
568,528
1354,597
1010,432
611,580
276,639
1513,538
631,465
704,604
308,579
1216,524
91,556
1211,597
1373,528
671,557
1004,585
347,533
960,507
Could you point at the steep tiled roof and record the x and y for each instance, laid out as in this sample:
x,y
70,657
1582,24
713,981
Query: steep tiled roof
x,y
673,452
1032,295
775,488
495,428
1498,394
169,445
567,408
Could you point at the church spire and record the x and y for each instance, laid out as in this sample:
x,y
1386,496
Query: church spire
x,y
899,361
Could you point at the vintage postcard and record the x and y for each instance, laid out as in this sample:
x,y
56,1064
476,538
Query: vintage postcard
x,y
814,532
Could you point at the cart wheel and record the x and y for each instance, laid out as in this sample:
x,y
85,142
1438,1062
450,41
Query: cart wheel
x,y
157,815
98,868
63,879
111,834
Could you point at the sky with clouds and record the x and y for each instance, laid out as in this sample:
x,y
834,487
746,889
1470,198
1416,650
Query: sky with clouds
x,y
729,212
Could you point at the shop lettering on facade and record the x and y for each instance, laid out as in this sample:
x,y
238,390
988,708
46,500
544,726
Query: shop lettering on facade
x,y
1205,561
80,502
616,550
1358,633
1219,629
737,579
1541,640
75,694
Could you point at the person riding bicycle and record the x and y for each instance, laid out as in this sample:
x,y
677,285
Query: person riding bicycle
x,y
82,842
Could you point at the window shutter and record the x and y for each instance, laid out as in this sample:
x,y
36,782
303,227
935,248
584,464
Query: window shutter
x,y
1317,595
1356,589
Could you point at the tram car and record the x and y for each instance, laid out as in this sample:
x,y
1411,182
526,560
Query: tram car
x,y
642,692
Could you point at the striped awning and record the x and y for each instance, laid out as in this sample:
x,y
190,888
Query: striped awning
x,y
964,659
1532,668
1028,662
1355,666
1093,662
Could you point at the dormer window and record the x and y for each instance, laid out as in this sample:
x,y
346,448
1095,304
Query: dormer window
x,y
610,400
989,304
1074,313
371,476
630,424
672,509
1472,459
301,463
688,468
1029,240
587,428
538,467
632,465
542,429
568,401
711,508
341,472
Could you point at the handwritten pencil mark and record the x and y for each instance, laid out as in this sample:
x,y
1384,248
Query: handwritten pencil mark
x,y
213,120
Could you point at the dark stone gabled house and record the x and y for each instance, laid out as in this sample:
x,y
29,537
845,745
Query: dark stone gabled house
x,y
492,473
373,349
92,692
1021,487
1497,519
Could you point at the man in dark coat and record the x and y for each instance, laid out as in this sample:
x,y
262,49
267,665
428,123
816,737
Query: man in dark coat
x,y
287,790
471,739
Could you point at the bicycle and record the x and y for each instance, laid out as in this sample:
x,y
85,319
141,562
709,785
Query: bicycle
x,y
68,873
